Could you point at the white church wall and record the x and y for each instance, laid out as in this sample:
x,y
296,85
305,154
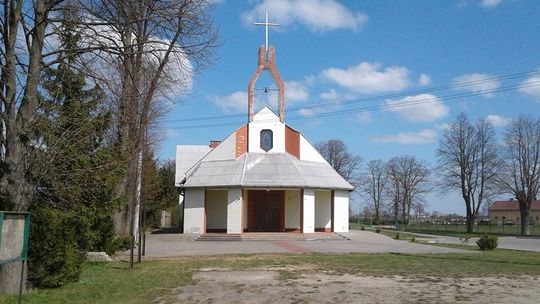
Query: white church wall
x,y
245,209
323,209
308,152
225,150
341,211
292,209
194,211
309,211
266,119
234,211
186,157
216,209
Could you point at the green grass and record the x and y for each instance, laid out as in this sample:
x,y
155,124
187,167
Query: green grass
x,y
399,235
151,280
456,230
461,230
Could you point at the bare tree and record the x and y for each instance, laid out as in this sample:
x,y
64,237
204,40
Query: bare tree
x,y
23,30
393,187
520,174
373,185
408,182
338,156
126,45
144,51
468,161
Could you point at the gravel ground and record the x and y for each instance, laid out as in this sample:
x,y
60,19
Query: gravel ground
x,y
270,286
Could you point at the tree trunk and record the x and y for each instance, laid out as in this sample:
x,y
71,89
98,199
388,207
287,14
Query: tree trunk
x,y
525,213
470,222
470,216
11,278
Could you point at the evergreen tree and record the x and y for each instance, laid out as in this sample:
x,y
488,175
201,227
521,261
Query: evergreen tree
x,y
76,172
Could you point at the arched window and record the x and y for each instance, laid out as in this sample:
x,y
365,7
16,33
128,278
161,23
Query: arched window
x,y
267,140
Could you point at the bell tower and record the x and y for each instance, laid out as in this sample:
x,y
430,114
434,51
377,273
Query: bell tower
x,y
267,61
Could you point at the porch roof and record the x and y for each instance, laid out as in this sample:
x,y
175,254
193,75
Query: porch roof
x,y
266,170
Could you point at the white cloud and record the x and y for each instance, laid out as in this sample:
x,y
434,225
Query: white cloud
x,y
531,86
424,80
171,133
295,91
421,137
490,3
444,126
368,77
497,120
423,107
235,102
317,15
477,83
331,94
310,111
363,117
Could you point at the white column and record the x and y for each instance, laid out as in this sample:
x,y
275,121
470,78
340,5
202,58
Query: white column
x,y
341,211
194,211
234,211
308,211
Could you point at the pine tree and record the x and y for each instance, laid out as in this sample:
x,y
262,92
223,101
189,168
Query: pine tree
x,y
76,171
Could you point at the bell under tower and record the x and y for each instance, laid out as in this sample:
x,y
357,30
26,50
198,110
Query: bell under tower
x,y
267,61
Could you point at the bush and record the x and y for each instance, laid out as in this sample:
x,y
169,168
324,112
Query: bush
x,y
378,230
413,239
487,242
103,238
362,228
55,253
121,243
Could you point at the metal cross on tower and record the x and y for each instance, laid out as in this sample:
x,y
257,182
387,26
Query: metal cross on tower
x,y
266,25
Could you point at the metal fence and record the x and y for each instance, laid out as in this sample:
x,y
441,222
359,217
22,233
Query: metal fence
x,y
450,228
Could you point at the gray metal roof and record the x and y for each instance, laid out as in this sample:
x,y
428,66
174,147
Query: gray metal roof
x,y
266,170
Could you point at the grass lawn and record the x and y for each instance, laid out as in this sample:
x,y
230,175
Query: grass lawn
x,y
456,230
116,283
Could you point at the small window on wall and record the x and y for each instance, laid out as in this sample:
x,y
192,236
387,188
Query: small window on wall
x,y
267,140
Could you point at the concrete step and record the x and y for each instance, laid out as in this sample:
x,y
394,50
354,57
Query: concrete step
x,y
268,236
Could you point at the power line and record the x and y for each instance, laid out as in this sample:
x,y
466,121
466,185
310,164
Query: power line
x,y
375,107
460,85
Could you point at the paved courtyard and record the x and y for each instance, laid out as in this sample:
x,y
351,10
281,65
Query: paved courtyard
x,y
172,245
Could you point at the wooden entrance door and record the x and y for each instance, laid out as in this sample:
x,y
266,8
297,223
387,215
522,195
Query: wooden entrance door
x,y
266,210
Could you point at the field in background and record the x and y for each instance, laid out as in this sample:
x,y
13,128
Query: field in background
x,y
459,230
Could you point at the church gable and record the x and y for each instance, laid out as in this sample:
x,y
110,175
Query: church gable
x,y
266,133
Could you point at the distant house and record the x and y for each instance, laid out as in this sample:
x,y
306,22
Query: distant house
x,y
507,212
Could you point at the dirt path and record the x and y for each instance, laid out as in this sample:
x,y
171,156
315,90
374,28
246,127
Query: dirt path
x,y
291,286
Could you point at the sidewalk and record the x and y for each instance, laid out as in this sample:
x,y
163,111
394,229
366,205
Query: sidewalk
x,y
174,245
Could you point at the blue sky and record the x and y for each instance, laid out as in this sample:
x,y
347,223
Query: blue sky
x,y
357,60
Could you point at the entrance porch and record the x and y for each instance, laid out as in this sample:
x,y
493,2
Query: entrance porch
x,y
236,211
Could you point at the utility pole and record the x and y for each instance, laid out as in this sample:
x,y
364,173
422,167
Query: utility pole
x,y
142,233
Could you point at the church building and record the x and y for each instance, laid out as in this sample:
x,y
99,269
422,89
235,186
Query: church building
x,y
264,177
